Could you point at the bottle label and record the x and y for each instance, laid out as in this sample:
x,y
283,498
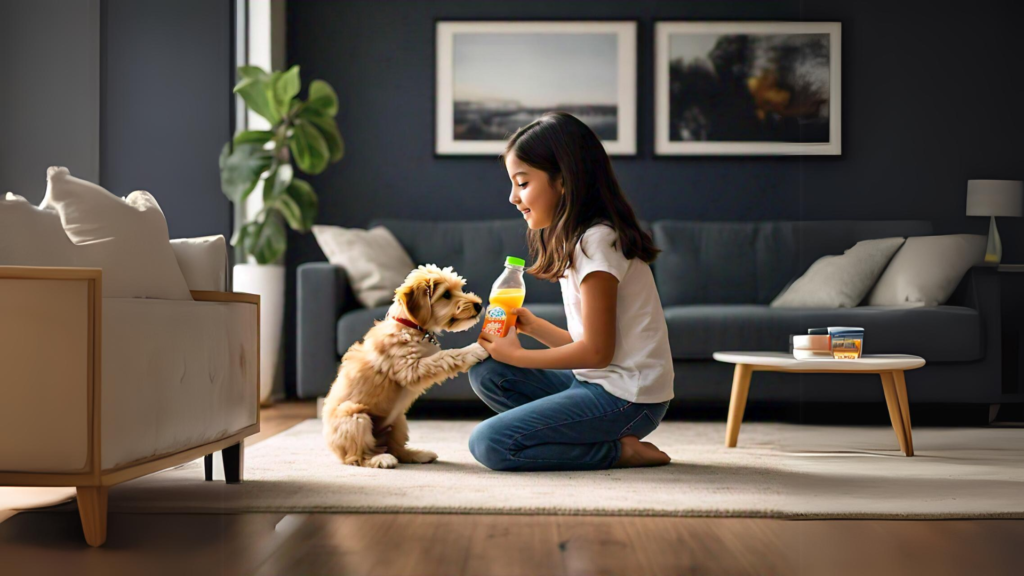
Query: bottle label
x,y
494,321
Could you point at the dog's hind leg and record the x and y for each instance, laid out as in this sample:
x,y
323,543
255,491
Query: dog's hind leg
x,y
396,445
348,430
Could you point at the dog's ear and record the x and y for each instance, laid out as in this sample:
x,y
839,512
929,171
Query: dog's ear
x,y
415,298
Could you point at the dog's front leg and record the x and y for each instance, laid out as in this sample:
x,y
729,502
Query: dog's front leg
x,y
420,373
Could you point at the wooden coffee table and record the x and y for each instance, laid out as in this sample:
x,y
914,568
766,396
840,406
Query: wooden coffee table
x,y
889,366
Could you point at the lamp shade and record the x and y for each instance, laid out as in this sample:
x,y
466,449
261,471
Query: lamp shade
x,y
994,197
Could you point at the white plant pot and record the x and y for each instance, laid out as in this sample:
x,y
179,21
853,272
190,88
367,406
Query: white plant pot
x,y
267,280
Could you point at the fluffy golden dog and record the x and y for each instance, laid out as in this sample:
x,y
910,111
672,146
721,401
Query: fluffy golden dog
x,y
382,375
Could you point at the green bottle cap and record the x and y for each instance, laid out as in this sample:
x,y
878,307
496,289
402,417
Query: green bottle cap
x,y
515,261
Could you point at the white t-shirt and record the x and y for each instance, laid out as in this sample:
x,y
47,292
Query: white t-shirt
x,y
641,368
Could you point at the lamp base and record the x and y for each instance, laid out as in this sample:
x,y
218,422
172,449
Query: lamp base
x,y
994,250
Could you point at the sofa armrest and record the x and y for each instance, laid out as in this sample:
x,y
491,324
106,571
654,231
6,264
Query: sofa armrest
x,y
980,289
50,352
323,295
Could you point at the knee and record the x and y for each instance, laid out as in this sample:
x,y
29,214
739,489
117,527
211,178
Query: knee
x,y
483,377
486,446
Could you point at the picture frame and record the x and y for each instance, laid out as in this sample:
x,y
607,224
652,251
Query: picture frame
x,y
778,91
493,77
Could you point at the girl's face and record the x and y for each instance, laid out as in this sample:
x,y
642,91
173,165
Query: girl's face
x,y
533,193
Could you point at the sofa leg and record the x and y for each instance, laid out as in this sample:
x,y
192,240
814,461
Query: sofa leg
x,y
234,461
208,467
92,508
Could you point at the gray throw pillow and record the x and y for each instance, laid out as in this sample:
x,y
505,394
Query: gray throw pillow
x,y
840,281
373,259
927,270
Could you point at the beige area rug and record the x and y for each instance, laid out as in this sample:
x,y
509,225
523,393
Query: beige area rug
x,y
778,470
16,498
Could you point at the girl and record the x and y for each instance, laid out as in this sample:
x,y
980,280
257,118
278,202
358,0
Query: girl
x,y
584,403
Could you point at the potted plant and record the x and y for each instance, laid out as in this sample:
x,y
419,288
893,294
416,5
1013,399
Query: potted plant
x,y
303,135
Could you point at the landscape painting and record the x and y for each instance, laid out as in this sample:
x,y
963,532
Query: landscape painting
x,y
495,77
747,88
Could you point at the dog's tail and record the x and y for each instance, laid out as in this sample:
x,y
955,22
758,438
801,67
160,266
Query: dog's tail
x,y
348,430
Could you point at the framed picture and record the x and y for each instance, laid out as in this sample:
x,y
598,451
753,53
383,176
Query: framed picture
x,y
494,77
747,88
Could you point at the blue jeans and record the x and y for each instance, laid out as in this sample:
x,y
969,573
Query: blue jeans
x,y
549,420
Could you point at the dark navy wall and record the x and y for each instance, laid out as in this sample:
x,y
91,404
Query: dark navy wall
x,y
166,75
931,98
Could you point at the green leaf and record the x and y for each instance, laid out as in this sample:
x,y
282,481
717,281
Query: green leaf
x,y
322,98
258,95
309,147
329,130
286,87
240,169
290,210
253,73
305,198
258,137
277,182
266,241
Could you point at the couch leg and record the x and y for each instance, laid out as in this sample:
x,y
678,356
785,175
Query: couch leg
x,y
208,467
234,461
92,508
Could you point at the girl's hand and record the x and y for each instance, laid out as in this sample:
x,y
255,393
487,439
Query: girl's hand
x,y
502,349
526,322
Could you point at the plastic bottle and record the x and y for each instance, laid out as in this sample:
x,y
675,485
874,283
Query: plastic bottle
x,y
507,294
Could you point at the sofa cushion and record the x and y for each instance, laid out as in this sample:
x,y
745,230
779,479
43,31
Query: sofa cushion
x,y
374,261
31,236
840,281
750,262
353,326
203,262
927,270
938,334
126,237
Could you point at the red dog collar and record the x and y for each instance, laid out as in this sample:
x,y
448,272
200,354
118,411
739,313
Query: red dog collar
x,y
411,324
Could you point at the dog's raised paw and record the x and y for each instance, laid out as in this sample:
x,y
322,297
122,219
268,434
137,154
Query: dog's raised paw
x,y
424,456
477,352
382,461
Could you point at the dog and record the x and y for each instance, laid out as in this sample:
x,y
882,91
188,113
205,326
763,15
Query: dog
x,y
397,361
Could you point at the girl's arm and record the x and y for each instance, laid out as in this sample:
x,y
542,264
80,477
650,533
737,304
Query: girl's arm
x,y
545,332
599,291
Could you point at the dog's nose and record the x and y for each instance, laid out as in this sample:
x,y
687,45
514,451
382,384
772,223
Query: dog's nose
x,y
477,307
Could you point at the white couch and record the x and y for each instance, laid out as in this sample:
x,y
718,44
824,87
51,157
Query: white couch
x,y
96,390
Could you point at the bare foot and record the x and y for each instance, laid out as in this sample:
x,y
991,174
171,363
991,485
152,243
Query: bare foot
x,y
637,453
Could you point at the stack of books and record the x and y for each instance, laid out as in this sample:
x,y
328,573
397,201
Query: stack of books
x,y
834,342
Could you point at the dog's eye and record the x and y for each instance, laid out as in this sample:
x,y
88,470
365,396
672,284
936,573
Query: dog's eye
x,y
447,295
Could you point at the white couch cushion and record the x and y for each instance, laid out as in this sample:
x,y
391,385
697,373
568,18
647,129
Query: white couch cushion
x,y
127,238
203,262
175,375
31,236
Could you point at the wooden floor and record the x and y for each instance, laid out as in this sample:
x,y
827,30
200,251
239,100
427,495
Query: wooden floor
x,y
424,544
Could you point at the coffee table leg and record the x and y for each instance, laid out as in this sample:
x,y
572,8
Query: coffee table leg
x,y
737,403
895,414
901,395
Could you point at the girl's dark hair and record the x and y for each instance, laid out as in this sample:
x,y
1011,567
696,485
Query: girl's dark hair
x,y
561,145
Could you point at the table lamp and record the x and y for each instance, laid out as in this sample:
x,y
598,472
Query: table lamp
x,y
994,198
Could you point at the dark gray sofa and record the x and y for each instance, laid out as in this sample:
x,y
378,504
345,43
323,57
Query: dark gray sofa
x,y
716,280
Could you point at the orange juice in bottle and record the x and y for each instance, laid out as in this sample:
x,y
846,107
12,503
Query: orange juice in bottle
x,y
507,294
